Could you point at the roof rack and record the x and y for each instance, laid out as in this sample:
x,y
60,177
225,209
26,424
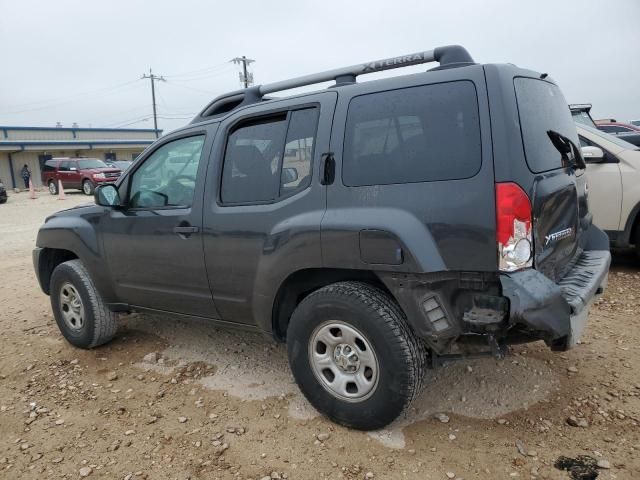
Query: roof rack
x,y
449,56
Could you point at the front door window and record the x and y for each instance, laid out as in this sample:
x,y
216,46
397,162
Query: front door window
x,y
168,177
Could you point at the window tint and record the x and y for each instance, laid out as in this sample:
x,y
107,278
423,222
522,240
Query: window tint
x,y
298,151
415,134
268,158
251,161
49,166
64,166
614,129
541,108
168,177
91,163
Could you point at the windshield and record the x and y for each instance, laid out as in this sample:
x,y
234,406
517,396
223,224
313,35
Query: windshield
x,y
611,138
91,163
582,118
542,108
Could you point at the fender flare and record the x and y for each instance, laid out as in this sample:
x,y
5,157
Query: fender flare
x,y
78,236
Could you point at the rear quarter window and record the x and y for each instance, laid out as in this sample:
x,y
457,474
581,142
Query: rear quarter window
x,y
417,134
542,107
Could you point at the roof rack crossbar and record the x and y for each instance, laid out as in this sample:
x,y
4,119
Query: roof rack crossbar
x,y
447,56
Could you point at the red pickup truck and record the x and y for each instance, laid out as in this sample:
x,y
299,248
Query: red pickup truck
x,y
81,173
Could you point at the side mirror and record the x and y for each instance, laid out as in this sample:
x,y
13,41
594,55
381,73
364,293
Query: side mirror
x,y
107,196
289,175
592,154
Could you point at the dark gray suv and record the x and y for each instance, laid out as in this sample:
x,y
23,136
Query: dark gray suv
x,y
375,227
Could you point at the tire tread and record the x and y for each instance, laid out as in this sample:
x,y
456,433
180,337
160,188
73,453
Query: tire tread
x,y
402,338
106,321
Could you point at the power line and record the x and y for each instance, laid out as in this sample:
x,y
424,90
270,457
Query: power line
x,y
199,71
154,79
173,83
245,77
70,99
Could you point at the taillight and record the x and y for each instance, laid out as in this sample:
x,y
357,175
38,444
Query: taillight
x,y
513,227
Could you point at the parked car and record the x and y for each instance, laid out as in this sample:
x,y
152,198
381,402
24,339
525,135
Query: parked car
x,y
610,125
80,173
633,138
428,214
122,164
3,193
581,113
614,185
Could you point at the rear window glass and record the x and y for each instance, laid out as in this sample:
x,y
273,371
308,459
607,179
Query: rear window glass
x,y
541,108
416,134
91,163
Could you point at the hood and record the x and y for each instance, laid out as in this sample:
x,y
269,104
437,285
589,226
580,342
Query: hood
x,y
102,170
75,211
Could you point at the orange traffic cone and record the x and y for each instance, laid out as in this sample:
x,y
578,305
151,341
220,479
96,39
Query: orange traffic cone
x,y
61,195
32,192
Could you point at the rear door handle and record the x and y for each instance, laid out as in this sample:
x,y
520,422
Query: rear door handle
x,y
185,230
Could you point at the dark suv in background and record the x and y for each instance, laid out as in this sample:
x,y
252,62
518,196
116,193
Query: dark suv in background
x,y
80,173
374,227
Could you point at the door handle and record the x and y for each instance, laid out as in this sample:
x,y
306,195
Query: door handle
x,y
185,230
327,168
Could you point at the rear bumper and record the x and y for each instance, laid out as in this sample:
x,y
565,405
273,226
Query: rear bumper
x,y
556,312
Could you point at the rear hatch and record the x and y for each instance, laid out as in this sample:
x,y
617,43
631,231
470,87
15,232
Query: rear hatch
x,y
559,193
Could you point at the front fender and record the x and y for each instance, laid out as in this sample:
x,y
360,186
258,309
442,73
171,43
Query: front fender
x,y
75,232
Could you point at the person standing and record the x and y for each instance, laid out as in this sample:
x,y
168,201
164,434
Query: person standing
x,y
26,175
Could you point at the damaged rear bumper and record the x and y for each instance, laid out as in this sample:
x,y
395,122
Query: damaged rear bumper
x,y
556,312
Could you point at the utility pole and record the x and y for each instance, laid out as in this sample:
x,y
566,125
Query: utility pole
x,y
154,79
245,77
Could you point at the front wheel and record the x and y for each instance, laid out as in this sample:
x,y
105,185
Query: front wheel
x,y
82,317
354,356
87,187
53,187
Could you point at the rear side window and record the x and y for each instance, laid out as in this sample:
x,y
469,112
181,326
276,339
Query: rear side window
x,y
269,158
416,134
542,108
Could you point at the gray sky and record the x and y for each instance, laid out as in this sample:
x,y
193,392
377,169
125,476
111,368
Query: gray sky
x,y
81,60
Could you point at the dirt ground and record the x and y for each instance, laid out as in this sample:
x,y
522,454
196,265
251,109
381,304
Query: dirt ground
x,y
174,400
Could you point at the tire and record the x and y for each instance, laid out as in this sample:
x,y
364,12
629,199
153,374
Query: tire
x,y
361,316
87,187
53,187
92,323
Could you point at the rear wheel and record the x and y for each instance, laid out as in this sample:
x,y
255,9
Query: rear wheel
x,y
354,356
81,315
87,187
53,187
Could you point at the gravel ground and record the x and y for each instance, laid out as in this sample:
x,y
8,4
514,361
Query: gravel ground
x,y
178,400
